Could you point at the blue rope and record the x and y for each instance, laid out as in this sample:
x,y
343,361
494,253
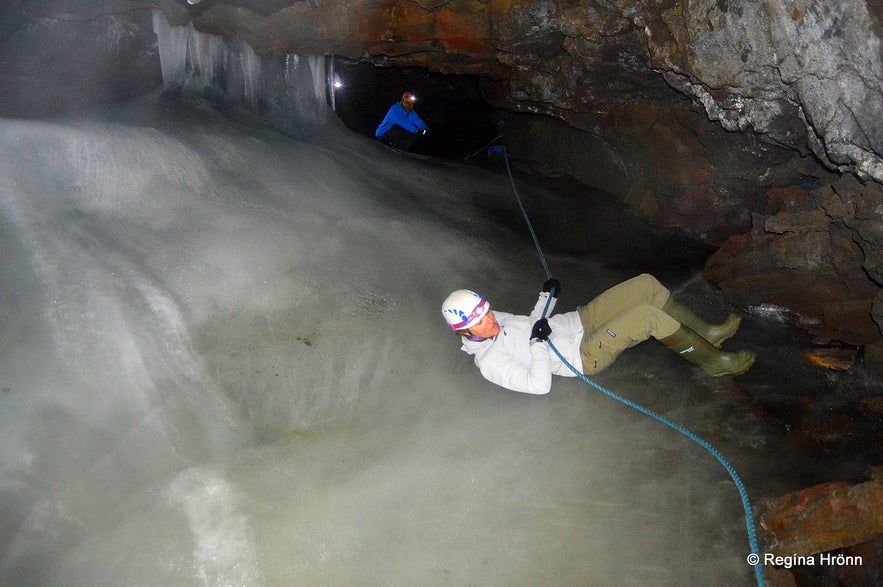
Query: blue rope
x,y
533,234
743,494
746,505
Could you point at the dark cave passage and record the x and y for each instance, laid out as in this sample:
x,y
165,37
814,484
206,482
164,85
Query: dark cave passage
x,y
459,119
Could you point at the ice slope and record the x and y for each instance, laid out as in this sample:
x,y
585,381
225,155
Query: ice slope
x,y
222,362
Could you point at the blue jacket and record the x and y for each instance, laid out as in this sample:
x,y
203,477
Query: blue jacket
x,y
397,115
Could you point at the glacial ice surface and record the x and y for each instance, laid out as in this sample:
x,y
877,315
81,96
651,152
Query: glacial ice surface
x,y
223,363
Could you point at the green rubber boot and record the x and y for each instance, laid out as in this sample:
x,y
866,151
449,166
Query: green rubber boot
x,y
716,334
700,352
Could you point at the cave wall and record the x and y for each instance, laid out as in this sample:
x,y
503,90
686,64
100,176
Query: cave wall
x,y
753,125
61,56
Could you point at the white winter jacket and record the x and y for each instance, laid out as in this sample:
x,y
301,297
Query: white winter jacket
x,y
513,361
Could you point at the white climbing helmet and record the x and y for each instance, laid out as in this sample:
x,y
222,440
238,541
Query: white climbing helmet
x,y
463,309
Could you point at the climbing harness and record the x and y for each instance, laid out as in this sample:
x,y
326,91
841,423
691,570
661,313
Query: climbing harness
x,y
746,505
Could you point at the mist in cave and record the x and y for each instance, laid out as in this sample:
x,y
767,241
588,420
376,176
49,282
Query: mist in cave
x,y
223,362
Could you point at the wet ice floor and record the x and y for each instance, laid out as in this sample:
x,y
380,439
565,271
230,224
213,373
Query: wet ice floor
x,y
223,363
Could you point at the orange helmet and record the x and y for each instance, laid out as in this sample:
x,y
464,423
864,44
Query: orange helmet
x,y
409,97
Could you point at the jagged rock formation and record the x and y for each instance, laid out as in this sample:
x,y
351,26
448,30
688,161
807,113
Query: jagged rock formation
x,y
755,121
833,524
813,257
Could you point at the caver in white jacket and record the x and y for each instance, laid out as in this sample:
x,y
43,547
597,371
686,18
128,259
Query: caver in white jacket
x,y
514,361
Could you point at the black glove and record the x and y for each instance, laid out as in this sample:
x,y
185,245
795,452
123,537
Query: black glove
x,y
552,284
541,330
424,131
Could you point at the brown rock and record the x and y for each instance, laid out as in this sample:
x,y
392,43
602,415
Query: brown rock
x,y
812,260
788,198
837,359
796,222
823,518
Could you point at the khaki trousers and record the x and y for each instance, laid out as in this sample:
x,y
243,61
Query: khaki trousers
x,y
620,318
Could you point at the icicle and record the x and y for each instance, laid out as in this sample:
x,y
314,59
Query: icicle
x,y
331,82
172,44
242,74
291,63
320,82
288,91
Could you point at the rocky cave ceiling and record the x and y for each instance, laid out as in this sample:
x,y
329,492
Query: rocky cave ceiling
x,y
800,74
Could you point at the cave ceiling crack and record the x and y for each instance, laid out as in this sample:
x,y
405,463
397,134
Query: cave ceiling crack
x,y
433,6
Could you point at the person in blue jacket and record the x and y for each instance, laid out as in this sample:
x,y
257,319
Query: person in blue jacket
x,y
401,125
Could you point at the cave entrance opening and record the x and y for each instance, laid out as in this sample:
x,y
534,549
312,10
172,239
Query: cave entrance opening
x,y
459,119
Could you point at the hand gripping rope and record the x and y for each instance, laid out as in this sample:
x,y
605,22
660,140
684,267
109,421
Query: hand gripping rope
x,y
746,505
